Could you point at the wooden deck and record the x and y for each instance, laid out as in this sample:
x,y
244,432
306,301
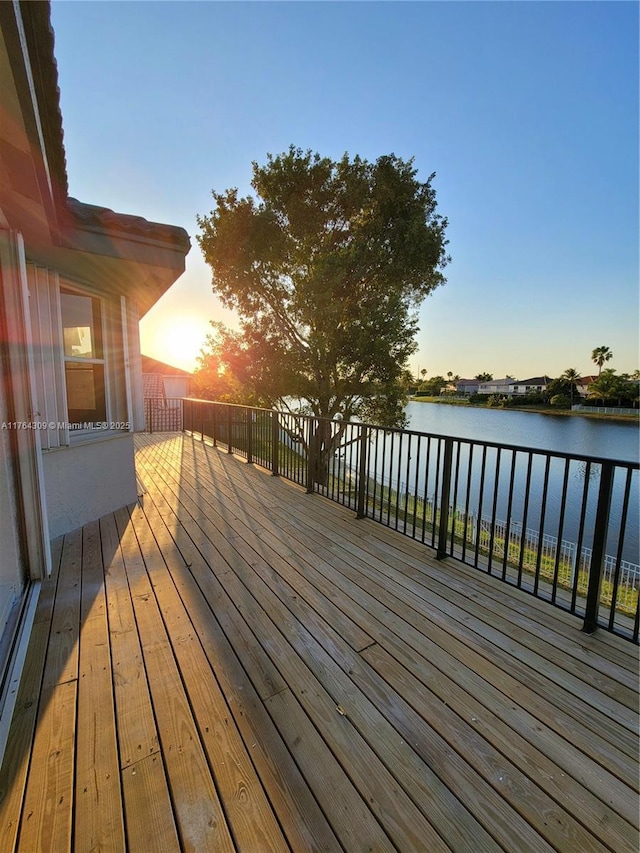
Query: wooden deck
x,y
233,664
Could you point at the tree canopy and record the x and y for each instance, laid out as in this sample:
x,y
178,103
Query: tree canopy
x,y
600,355
325,266
614,388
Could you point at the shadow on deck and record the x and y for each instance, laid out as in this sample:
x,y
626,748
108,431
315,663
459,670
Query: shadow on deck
x,y
233,664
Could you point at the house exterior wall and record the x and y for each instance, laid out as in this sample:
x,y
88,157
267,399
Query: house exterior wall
x,y
86,474
467,387
88,480
525,388
496,386
132,319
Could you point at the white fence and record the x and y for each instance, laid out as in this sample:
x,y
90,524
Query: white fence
x,y
605,410
529,542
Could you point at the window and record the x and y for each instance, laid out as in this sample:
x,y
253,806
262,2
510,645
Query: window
x,y
84,363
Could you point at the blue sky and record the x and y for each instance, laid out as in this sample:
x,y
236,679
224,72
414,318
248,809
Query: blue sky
x,y
527,112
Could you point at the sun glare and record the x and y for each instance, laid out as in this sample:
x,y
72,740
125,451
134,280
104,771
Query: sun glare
x,y
181,343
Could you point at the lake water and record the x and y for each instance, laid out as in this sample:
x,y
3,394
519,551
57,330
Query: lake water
x,y
619,441
576,435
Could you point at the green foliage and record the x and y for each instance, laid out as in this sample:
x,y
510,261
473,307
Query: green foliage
x,y
433,386
610,389
210,380
484,377
500,401
326,267
600,355
560,386
560,400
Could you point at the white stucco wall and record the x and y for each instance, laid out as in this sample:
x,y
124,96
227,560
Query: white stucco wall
x,y
88,480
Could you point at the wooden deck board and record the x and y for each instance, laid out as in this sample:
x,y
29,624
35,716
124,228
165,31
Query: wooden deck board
x,y
437,618
236,665
99,821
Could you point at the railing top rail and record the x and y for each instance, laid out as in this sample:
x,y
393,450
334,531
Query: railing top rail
x,y
599,460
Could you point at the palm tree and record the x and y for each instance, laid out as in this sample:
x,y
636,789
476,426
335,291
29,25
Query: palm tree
x,y
572,376
605,387
600,355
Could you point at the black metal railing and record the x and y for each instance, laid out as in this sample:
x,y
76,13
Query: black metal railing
x,y
163,414
562,527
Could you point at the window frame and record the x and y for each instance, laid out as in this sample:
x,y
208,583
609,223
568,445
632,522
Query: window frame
x,y
81,426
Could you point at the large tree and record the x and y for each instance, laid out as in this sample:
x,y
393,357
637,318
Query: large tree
x,y
325,266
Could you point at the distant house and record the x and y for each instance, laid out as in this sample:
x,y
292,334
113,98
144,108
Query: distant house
x,y
75,280
537,384
496,386
163,387
467,386
174,381
584,384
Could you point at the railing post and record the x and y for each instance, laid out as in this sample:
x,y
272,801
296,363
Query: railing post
x,y
229,429
362,471
597,552
275,444
311,457
444,499
249,416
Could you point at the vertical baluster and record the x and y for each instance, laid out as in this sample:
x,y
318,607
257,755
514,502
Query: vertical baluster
x,y
483,466
563,506
398,488
416,486
467,501
435,526
427,477
575,577
275,444
507,532
543,513
444,499
249,432
621,533
525,518
494,507
406,487
599,543
382,467
389,487
311,456
362,470
454,499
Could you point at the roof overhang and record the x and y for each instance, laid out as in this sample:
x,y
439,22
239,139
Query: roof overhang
x,y
116,253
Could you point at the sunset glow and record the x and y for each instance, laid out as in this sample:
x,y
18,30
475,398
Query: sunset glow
x,y
175,342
